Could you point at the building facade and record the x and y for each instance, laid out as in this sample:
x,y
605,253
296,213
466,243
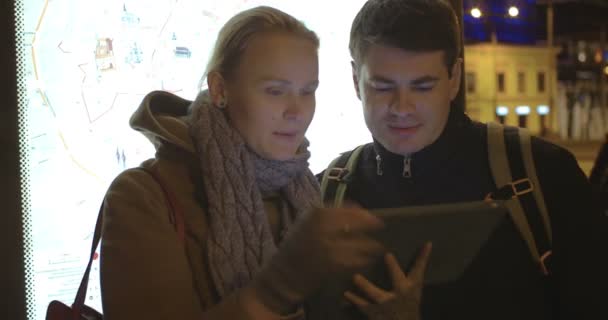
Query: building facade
x,y
512,84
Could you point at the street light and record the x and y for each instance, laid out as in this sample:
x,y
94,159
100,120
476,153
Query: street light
x,y
542,110
582,57
501,113
476,13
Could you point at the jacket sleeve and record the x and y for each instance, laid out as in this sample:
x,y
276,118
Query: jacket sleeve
x,y
144,269
145,272
580,263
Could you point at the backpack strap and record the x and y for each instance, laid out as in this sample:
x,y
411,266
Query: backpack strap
x,y
337,175
515,176
525,140
176,217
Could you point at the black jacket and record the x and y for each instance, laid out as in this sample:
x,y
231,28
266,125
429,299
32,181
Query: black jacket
x,y
599,175
503,282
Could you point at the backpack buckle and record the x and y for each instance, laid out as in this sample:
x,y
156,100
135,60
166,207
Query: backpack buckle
x,y
544,261
512,190
338,174
521,187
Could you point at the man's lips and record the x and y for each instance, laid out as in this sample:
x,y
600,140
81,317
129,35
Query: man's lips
x,y
404,129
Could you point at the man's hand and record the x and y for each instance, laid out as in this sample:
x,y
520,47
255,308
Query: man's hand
x,y
403,303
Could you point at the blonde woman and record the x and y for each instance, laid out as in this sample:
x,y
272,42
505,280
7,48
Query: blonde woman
x,y
257,242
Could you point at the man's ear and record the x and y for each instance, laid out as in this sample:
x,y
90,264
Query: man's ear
x,y
455,78
217,88
355,72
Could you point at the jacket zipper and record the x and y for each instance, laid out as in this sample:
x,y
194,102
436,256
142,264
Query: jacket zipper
x,y
407,167
378,165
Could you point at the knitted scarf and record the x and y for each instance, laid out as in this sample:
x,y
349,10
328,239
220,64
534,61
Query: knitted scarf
x,y
235,180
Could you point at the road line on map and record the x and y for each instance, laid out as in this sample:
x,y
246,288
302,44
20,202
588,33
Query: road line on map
x,y
44,98
65,145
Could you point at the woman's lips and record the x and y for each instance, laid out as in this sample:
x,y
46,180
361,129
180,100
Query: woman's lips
x,y
287,135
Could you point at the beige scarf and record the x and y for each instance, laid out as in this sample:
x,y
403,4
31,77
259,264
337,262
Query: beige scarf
x,y
235,181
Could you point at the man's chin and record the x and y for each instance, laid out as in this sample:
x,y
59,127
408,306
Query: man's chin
x,y
403,149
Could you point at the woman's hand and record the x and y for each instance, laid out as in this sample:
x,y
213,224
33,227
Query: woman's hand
x,y
403,303
326,243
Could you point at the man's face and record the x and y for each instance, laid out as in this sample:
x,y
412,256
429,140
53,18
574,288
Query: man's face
x,y
406,96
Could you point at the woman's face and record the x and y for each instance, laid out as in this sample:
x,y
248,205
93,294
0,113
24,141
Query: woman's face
x,y
271,94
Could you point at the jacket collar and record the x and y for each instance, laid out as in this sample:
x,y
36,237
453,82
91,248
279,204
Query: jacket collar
x,y
448,143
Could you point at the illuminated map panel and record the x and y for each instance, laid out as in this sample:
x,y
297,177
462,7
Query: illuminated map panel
x,y
87,66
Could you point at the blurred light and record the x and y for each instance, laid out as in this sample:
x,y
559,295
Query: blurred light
x,y
522,110
513,11
502,111
542,110
476,13
598,56
606,70
582,57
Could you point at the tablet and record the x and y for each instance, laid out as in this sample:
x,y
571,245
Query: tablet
x,y
457,231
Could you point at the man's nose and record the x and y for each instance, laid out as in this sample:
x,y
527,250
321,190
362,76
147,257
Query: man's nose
x,y
402,102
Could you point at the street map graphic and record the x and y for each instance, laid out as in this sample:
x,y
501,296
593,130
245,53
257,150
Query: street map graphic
x,y
88,64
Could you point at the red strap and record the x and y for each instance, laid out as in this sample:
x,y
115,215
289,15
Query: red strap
x,y
176,217
82,289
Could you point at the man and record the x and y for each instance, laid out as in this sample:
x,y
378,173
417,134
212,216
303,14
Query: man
x,y
599,176
406,72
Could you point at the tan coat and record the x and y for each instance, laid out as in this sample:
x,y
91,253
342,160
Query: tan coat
x,y
146,273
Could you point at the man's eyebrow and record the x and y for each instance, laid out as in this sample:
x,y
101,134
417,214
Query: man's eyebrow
x,y
415,82
424,80
381,79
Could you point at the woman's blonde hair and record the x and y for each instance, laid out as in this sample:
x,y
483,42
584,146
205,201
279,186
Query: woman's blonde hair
x,y
236,33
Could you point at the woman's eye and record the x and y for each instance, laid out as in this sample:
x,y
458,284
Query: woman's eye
x,y
308,92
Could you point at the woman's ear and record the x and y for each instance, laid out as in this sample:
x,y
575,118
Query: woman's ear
x,y
217,89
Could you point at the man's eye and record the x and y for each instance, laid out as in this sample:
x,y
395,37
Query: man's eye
x,y
423,88
274,91
382,87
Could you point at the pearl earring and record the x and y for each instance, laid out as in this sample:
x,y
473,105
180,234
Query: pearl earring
x,y
221,104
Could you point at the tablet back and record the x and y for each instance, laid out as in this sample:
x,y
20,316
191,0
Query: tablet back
x,y
457,232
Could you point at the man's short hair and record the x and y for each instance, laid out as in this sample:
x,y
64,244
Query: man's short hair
x,y
413,25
